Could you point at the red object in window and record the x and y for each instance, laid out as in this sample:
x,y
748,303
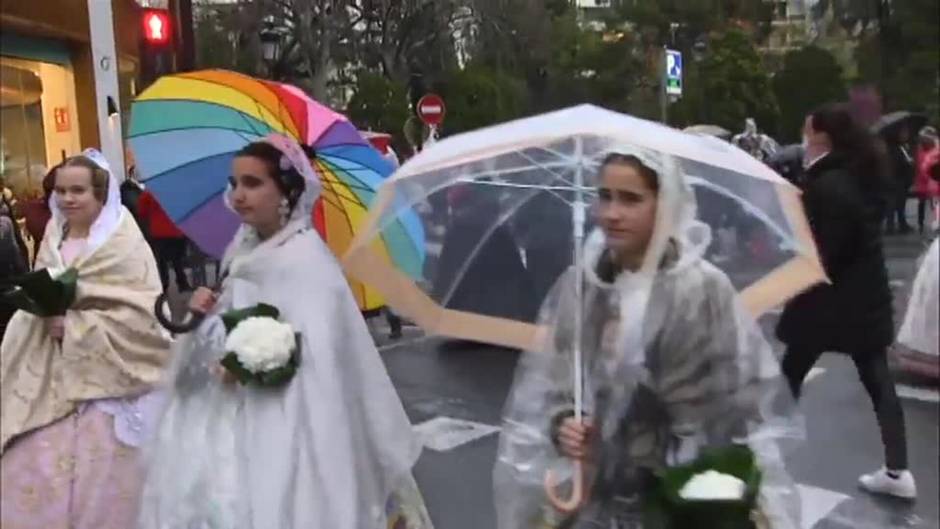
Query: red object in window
x,y
156,26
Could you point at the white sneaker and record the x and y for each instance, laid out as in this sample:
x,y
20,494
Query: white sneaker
x,y
879,482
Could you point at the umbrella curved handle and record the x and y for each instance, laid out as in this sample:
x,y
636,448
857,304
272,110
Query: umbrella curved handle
x,y
183,327
573,503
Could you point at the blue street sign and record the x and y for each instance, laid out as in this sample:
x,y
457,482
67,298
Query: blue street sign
x,y
673,72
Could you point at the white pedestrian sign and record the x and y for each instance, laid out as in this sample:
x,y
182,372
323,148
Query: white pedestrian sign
x,y
673,72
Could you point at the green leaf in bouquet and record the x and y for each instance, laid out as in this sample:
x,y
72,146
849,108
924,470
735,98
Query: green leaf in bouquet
x,y
40,294
231,363
282,375
233,317
675,512
20,300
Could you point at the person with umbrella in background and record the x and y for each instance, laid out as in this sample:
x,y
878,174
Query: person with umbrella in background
x,y
37,212
494,279
382,143
901,168
169,243
9,207
12,264
844,201
926,185
131,191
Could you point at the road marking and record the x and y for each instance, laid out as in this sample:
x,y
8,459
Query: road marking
x,y
443,434
816,503
402,343
921,394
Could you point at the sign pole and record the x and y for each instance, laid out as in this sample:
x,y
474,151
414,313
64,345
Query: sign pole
x,y
672,79
663,95
431,111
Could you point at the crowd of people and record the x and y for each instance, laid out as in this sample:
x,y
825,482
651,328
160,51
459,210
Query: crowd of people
x,y
108,421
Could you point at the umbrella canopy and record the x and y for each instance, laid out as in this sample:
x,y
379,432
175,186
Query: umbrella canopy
x,y
186,128
709,130
520,192
892,121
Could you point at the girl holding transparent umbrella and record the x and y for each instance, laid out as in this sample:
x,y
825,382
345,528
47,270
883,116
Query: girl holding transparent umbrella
x,y
673,365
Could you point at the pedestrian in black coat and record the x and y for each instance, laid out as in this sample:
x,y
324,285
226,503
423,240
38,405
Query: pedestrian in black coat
x,y
12,264
843,195
897,143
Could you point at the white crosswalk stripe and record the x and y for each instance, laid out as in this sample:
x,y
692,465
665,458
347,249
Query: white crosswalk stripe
x,y
816,503
443,434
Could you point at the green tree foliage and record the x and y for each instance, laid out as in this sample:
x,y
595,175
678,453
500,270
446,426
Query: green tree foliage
x,y
735,85
903,57
378,104
680,22
810,77
478,96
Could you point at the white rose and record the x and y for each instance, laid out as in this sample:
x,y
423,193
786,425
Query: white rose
x,y
712,485
261,344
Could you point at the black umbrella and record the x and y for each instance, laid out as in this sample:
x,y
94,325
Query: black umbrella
x,y
891,122
788,162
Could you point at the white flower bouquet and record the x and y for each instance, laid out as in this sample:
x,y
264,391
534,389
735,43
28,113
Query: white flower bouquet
x,y
260,349
718,490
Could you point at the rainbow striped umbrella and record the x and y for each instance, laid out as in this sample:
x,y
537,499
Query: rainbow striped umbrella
x,y
186,128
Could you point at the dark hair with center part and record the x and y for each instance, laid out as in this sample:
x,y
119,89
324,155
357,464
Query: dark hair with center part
x,y
649,176
290,181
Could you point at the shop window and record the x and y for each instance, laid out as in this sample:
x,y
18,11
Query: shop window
x,y
40,125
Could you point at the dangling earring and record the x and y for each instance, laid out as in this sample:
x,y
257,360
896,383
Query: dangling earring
x,y
284,211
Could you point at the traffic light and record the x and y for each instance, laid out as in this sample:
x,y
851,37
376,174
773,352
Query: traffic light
x,y
157,31
157,45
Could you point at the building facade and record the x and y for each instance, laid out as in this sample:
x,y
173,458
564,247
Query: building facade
x,y
69,73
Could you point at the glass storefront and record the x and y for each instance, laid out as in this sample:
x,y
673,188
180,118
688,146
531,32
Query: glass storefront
x,y
40,125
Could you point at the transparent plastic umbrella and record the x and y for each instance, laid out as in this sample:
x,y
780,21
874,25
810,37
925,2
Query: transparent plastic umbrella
x,y
509,205
505,211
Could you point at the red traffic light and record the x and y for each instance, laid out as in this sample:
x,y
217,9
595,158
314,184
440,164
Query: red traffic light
x,y
156,26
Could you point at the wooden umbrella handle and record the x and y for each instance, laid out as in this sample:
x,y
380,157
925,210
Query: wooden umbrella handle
x,y
573,503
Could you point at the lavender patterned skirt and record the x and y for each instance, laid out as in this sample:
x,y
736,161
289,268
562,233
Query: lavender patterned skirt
x,y
71,474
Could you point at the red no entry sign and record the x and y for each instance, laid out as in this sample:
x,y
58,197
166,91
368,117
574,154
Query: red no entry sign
x,y
431,109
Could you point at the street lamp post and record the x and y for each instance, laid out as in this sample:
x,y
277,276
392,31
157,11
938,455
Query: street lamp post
x,y
270,46
698,55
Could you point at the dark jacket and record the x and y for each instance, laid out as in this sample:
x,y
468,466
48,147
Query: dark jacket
x,y
853,314
902,165
12,264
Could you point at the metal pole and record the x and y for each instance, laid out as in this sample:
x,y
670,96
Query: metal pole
x,y
663,97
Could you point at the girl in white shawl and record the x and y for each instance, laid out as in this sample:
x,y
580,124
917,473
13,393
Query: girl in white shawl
x,y
331,449
671,365
75,389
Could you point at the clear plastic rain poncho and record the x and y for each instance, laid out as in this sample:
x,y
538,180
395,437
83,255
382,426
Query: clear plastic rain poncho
x,y
921,328
504,212
672,363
